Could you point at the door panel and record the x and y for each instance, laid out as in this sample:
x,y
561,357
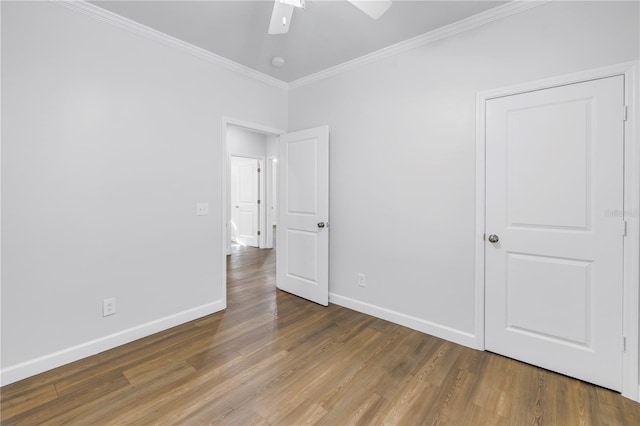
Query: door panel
x,y
245,215
303,179
554,167
302,255
303,246
561,192
531,279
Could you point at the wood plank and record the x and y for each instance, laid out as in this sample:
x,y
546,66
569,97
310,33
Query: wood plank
x,y
28,401
273,358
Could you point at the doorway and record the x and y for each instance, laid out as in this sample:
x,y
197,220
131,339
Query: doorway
x,y
302,209
251,159
250,154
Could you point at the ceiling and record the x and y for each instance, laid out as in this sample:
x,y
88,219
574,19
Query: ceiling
x,y
324,34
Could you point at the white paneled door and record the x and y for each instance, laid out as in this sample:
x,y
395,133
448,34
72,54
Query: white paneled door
x,y
303,215
554,231
245,195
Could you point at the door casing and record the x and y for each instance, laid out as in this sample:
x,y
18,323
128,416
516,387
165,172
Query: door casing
x,y
271,194
631,273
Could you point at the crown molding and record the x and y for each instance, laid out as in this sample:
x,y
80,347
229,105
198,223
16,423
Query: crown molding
x,y
483,18
116,20
511,8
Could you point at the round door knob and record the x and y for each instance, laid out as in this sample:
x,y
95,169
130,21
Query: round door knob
x,y
493,238
320,224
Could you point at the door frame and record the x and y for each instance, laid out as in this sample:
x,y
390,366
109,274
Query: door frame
x,y
226,196
631,269
270,215
262,195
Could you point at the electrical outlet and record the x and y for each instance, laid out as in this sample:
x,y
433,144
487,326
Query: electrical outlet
x,y
202,209
362,280
108,307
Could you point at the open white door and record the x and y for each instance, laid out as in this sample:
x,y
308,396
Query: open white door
x,y
303,218
554,284
244,198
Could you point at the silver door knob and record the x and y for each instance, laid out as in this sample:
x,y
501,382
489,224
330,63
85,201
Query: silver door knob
x,y
493,238
320,224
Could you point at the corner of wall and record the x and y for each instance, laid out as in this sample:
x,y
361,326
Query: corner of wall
x,y
443,332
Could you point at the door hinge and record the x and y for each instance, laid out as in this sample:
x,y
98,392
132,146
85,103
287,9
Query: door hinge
x,y
624,228
258,201
258,169
258,232
625,113
624,343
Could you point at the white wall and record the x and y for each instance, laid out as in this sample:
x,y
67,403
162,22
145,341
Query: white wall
x,y
245,143
272,146
403,153
109,139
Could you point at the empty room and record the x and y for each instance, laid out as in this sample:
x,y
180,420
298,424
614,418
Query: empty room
x,y
327,212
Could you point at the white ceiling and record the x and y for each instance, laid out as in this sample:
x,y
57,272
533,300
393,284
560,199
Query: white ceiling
x,y
325,34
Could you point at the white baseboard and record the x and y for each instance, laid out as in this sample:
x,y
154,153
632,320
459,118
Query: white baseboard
x,y
65,356
441,331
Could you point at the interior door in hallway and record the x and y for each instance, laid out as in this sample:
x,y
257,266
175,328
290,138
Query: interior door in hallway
x,y
303,214
245,195
553,274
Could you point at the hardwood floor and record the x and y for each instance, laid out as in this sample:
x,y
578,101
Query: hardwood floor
x,y
272,358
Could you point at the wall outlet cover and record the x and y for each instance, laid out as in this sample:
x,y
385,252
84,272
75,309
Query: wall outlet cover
x,y
202,209
362,280
108,307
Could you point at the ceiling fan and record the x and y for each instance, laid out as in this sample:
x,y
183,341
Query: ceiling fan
x,y
283,10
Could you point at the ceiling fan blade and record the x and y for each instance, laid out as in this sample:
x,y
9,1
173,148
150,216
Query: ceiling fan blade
x,y
373,8
280,18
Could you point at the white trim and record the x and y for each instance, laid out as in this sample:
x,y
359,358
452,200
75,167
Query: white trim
x,y
262,208
631,308
247,125
483,18
225,203
270,217
577,77
0,191
121,22
65,356
479,233
424,326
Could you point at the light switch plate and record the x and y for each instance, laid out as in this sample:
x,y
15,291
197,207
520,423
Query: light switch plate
x,y
202,209
362,280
